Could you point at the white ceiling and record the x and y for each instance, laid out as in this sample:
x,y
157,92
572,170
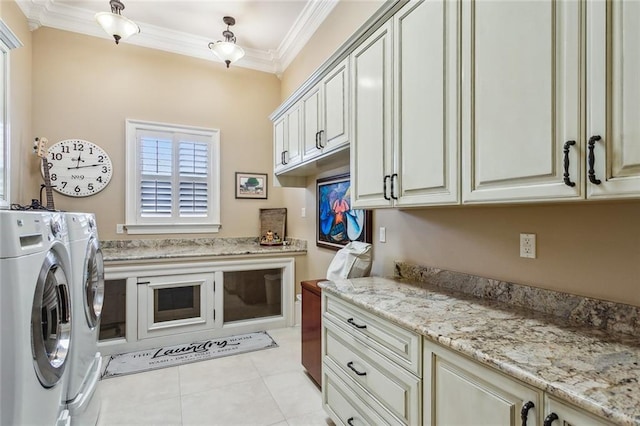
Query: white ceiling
x,y
271,32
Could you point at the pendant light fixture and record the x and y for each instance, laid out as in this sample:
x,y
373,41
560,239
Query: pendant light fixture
x,y
116,25
228,51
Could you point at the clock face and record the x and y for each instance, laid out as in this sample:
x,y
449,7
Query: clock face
x,y
78,168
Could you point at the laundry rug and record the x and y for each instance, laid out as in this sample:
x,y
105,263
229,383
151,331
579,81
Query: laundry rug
x,y
170,356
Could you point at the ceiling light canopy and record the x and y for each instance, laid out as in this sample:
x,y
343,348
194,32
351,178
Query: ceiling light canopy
x,y
116,25
228,51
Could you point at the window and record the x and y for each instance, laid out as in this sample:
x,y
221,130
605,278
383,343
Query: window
x,y
173,178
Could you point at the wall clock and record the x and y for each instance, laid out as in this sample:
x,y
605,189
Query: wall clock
x,y
78,168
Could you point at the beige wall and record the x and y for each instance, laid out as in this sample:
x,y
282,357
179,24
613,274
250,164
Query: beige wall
x,y
85,87
583,248
19,103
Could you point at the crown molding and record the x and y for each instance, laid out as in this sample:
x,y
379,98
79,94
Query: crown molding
x,y
48,13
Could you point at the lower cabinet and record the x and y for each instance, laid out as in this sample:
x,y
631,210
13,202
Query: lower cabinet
x,y
371,368
464,392
147,306
375,372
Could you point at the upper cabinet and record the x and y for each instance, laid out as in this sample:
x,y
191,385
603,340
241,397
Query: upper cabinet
x,y
326,113
521,136
613,128
287,133
404,150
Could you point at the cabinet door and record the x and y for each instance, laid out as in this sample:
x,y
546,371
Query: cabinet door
x,y
426,87
335,108
279,143
612,112
311,112
371,149
463,392
520,100
293,151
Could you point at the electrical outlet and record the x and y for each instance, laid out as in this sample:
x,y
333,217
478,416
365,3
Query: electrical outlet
x,y
119,228
303,212
383,234
528,246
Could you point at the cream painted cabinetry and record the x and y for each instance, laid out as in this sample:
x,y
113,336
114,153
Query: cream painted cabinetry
x,y
463,392
482,396
404,102
287,133
521,82
613,128
326,114
373,365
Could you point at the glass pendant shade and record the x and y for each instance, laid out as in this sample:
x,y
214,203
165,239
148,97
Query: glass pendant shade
x,y
116,25
227,51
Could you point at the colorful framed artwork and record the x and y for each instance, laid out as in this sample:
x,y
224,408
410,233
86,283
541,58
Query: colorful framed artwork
x,y
337,223
251,185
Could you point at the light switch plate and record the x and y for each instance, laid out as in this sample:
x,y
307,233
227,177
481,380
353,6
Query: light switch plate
x,y
383,234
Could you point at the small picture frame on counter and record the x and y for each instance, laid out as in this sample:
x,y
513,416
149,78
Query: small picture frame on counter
x,y
251,185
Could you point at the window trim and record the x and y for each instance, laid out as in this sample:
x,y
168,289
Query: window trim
x,y
133,224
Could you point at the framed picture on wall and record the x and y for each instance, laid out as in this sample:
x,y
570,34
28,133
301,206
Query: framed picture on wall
x,y
251,185
337,223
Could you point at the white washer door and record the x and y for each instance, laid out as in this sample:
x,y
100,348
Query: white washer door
x,y
93,283
50,321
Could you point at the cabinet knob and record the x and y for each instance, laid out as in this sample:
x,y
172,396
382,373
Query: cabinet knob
x,y
359,373
550,419
524,413
592,160
567,180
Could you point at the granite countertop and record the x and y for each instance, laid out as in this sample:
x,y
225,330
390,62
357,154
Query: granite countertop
x,y
594,369
147,250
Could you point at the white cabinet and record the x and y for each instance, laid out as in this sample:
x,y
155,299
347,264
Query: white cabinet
x,y
521,80
379,365
464,392
613,128
371,97
326,113
287,131
404,78
481,396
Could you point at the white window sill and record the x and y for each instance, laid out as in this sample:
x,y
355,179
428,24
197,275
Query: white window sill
x,y
174,228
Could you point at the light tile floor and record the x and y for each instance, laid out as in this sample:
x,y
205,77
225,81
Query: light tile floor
x,y
267,387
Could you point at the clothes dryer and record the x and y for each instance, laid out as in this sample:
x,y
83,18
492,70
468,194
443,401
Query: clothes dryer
x,y
87,295
35,313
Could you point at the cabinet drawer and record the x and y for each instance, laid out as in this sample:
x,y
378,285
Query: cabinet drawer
x,y
396,389
345,406
402,346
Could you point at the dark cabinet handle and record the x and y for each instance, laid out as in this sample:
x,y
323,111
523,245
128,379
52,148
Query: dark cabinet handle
x,y
353,323
592,160
317,141
350,421
359,373
550,419
394,177
320,138
384,188
567,145
524,413
284,155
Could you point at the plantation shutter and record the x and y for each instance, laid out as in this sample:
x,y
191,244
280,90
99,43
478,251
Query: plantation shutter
x,y
156,158
193,166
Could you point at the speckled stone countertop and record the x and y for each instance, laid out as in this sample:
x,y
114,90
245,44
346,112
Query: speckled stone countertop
x,y
593,368
148,250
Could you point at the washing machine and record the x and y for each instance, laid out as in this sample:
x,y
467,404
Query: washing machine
x,y
36,318
87,295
